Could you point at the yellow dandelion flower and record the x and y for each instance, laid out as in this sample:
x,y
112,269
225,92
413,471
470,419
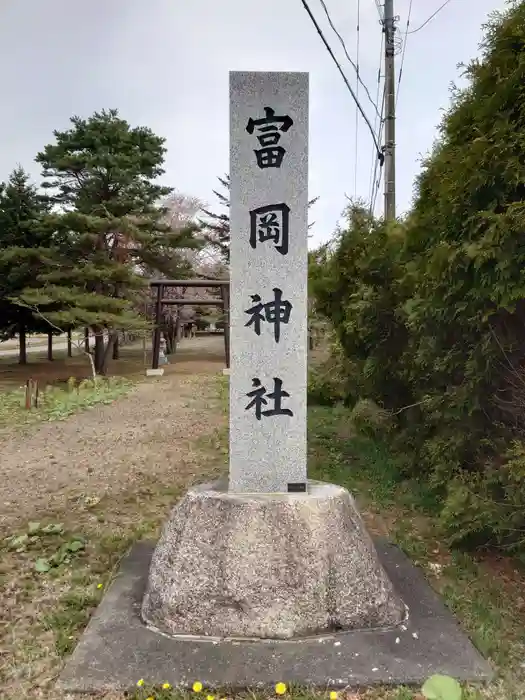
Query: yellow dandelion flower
x,y
99,585
210,697
280,688
140,683
333,695
197,687
166,686
150,698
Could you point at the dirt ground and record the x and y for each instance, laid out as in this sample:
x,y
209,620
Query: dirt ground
x,y
111,447
111,475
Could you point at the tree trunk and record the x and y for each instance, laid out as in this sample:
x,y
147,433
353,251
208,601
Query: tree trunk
x,y
176,333
99,349
50,346
86,339
107,352
170,339
69,346
22,350
116,348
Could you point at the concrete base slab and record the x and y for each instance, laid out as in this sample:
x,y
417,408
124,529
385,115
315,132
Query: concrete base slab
x,y
155,372
117,649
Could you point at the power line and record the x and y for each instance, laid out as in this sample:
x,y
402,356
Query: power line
x,y
356,144
404,51
376,179
327,46
379,128
380,9
376,183
441,7
355,67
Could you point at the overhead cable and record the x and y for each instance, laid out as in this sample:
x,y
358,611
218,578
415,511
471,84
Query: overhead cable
x,y
404,51
441,7
380,154
354,65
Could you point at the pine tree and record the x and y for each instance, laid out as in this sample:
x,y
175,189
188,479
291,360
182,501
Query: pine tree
x,y
23,242
107,226
217,226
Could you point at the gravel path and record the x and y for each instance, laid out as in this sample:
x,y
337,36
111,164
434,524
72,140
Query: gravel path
x,y
145,435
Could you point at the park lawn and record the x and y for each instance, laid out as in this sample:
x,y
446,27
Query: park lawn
x,y
132,363
58,402
64,386
38,341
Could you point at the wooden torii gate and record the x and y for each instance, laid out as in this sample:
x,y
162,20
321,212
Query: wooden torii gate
x,y
160,301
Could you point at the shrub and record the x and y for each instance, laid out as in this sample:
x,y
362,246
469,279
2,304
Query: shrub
x,y
333,379
489,507
371,420
431,309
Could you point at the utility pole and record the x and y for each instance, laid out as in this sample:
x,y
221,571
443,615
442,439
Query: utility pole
x,y
389,28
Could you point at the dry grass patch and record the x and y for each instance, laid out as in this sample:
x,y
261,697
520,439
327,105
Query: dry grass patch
x,y
58,402
13,376
45,608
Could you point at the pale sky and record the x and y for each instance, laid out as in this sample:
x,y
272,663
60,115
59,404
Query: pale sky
x,y
165,63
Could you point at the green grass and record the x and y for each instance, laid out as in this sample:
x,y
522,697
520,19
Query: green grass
x,y
71,615
58,402
361,464
483,600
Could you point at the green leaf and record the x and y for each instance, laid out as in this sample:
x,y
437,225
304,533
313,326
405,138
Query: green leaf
x,y
440,687
75,545
42,565
59,556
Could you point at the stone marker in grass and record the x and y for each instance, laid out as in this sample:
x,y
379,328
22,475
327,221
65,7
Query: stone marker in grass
x,y
268,576
267,553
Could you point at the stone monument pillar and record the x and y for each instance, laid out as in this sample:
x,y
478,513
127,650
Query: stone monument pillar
x,y
267,554
268,278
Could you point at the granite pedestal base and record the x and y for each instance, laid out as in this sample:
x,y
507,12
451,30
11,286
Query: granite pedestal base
x,y
273,566
117,648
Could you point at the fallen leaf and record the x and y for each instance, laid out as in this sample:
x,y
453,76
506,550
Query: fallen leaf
x,y
42,565
440,687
